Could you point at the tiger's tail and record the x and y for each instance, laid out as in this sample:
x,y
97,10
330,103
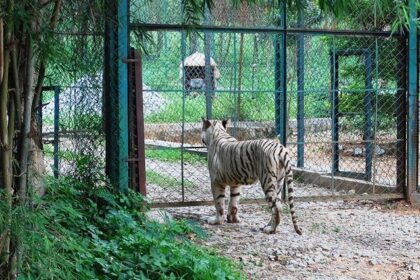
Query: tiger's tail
x,y
289,182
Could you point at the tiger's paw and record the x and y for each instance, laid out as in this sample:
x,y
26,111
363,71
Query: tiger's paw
x,y
268,230
215,221
234,219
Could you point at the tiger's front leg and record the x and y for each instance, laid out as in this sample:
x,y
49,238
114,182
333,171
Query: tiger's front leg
x,y
219,201
235,193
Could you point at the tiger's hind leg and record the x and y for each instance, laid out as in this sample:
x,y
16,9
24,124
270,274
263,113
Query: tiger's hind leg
x,y
272,196
219,201
235,193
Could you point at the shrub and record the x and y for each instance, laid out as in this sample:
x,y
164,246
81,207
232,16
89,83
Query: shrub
x,y
84,232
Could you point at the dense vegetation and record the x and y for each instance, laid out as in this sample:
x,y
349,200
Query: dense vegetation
x,y
80,231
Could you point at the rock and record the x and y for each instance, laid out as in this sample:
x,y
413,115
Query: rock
x,y
361,152
358,152
379,151
298,263
412,266
351,192
291,268
365,253
325,247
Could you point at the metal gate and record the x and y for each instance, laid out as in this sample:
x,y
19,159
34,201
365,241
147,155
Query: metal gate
x,y
335,94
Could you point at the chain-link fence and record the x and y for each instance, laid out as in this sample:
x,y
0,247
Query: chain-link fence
x,y
71,115
345,97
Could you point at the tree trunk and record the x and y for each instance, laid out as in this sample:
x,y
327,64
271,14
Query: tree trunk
x,y
17,82
26,124
6,150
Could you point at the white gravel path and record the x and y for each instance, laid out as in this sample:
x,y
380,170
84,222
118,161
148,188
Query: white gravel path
x,y
341,240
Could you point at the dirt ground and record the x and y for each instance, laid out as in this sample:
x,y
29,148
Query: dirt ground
x,y
341,240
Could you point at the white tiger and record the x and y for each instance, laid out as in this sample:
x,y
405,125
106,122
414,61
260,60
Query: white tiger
x,y
235,163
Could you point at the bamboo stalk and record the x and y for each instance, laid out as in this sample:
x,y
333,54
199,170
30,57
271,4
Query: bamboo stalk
x,y
11,128
26,124
1,50
5,151
17,94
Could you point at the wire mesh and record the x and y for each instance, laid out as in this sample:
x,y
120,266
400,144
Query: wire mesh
x,y
223,13
345,98
354,108
345,106
359,16
78,116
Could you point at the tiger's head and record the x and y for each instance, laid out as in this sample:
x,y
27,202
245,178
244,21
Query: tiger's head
x,y
209,127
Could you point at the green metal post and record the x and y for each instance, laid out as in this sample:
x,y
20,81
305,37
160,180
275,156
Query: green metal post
x,y
300,93
283,78
280,73
57,91
116,93
412,139
401,113
235,86
368,133
280,99
334,110
277,83
183,55
123,94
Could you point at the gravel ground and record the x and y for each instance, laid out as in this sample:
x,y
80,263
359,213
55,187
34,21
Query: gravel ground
x,y
341,240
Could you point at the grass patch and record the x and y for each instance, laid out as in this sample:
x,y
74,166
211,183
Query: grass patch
x,y
156,178
173,155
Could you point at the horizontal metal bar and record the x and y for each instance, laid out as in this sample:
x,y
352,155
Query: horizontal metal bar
x,y
307,91
186,148
91,33
69,132
375,197
360,142
293,31
351,52
387,141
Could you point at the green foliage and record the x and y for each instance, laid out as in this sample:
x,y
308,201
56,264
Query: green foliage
x,y
173,155
80,231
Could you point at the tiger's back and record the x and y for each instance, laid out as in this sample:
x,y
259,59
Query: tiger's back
x,y
244,162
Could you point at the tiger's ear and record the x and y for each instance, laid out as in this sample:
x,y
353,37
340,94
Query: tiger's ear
x,y
225,122
206,123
